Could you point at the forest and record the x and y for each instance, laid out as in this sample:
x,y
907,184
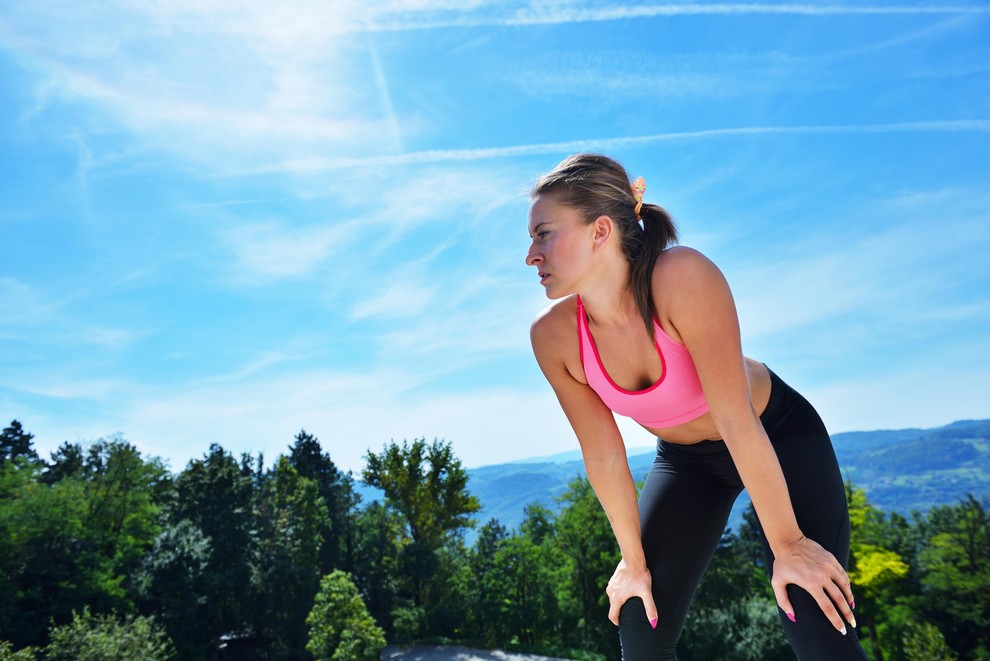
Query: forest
x,y
106,554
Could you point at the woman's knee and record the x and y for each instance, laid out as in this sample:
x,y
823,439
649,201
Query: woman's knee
x,y
640,641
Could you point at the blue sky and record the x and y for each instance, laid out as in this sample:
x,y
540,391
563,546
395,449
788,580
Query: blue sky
x,y
227,221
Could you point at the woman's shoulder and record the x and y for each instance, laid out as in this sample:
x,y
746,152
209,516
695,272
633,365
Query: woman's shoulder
x,y
557,320
679,262
684,278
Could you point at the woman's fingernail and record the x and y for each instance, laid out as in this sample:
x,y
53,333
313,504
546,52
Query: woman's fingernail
x,y
852,604
842,631
852,621
653,622
790,616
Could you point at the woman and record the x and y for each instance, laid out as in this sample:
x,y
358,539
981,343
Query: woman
x,y
649,330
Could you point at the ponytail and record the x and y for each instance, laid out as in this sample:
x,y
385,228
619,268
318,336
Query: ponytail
x,y
658,233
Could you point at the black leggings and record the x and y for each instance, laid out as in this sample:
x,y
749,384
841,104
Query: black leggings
x,y
683,511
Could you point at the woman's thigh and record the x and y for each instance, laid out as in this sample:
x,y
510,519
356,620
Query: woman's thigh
x,y
683,516
818,496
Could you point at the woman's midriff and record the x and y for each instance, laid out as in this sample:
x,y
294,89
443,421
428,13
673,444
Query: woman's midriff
x,y
703,428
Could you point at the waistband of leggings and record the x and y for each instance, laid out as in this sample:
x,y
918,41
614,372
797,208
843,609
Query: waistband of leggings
x,y
778,394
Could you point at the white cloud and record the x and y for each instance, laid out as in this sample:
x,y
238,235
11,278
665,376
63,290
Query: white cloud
x,y
614,144
401,300
208,81
349,412
274,250
541,13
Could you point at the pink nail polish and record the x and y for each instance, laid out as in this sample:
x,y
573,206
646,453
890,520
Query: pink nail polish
x,y
852,604
790,616
653,622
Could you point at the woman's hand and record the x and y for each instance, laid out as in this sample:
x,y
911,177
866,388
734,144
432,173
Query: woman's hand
x,y
626,583
806,564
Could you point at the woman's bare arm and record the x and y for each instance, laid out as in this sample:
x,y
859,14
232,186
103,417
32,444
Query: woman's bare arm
x,y
604,458
696,300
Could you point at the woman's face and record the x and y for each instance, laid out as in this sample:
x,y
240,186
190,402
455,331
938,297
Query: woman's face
x,y
561,247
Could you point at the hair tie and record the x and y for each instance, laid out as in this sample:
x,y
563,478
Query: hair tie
x,y
638,189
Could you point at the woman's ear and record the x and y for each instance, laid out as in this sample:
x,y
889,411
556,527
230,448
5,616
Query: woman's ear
x,y
604,227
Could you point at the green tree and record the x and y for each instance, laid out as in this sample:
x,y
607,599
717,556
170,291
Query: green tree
x,y
379,531
340,628
956,575
292,517
172,583
216,494
745,629
583,531
15,443
7,653
427,485
124,495
336,488
73,542
924,642
91,637
524,578
875,571
485,594
67,461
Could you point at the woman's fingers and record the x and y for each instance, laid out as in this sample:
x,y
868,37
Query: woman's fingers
x,y
831,598
780,592
627,584
837,596
651,609
816,571
613,611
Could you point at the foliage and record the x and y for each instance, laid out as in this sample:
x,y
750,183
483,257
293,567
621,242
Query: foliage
x,y
378,533
15,443
73,542
92,637
591,554
485,594
745,629
172,582
336,489
340,628
216,494
956,574
229,551
7,653
924,642
428,485
293,518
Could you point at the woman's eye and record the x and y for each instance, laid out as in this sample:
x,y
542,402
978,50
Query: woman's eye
x,y
543,234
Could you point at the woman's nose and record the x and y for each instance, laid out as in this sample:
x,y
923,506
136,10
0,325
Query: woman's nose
x,y
532,257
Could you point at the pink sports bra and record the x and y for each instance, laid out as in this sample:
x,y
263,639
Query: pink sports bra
x,y
675,399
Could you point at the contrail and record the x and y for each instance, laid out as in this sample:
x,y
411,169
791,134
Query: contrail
x,y
607,144
576,15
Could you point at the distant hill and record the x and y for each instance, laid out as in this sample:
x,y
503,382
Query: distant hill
x,y
900,470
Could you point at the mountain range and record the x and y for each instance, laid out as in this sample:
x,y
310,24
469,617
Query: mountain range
x,y
900,470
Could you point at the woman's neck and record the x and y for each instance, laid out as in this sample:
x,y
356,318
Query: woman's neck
x,y
608,299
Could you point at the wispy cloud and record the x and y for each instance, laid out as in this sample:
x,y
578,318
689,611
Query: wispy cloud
x,y
403,299
880,294
274,250
554,14
205,80
613,144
